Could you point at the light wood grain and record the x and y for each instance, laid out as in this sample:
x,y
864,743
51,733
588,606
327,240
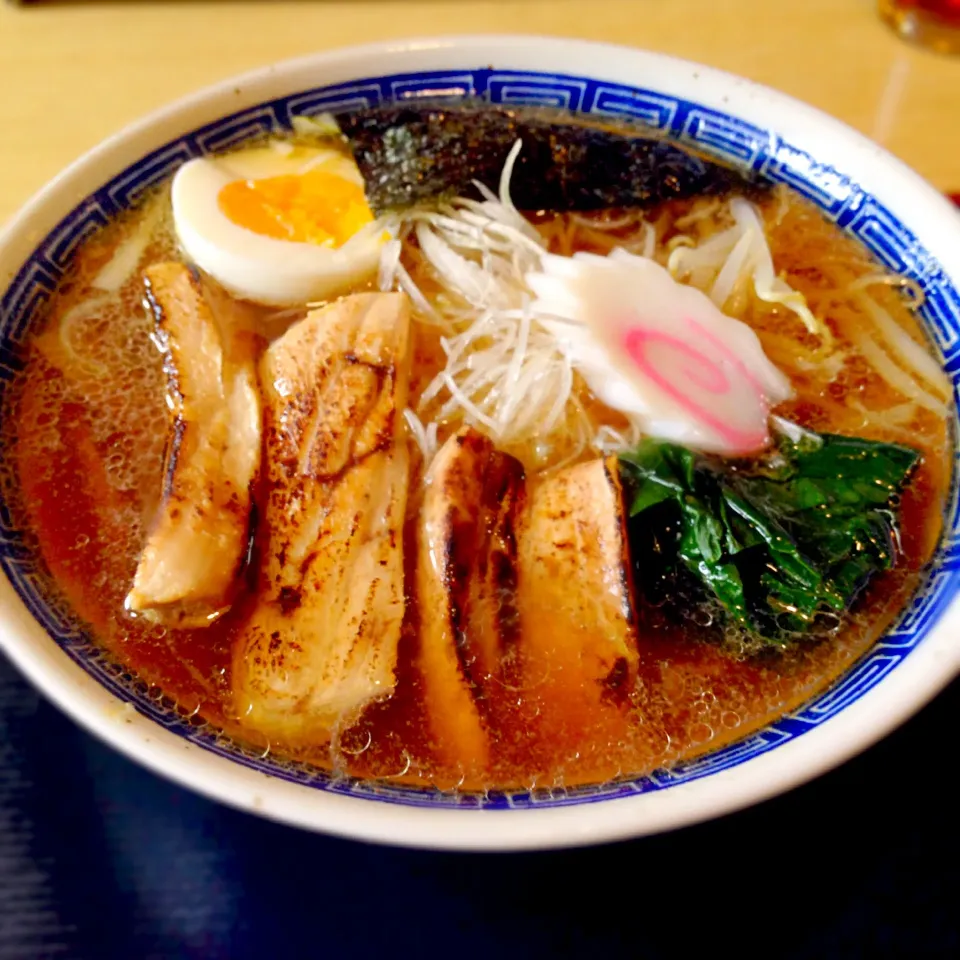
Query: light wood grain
x,y
70,74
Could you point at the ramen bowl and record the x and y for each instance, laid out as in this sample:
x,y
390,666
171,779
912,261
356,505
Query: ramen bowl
x,y
907,225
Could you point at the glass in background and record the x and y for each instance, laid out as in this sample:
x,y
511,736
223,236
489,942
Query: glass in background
x,y
931,23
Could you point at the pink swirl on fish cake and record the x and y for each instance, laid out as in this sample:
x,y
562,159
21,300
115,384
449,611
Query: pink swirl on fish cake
x,y
705,374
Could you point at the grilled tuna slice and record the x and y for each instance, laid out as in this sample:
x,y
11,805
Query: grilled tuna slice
x,y
466,590
579,629
321,641
408,154
199,540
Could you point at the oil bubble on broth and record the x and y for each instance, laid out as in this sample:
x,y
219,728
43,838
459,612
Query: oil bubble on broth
x,y
427,433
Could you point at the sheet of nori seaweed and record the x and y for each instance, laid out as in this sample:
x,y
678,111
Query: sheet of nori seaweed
x,y
411,153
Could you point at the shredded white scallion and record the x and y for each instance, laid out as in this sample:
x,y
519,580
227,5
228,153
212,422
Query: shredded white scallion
x,y
506,373
702,212
596,223
389,262
737,255
899,379
792,431
320,125
422,307
74,319
730,273
904,348
895,420
649,241
609,440
907,284
510,371
125,260
425,437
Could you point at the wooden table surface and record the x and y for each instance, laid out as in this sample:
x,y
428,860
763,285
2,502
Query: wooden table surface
x,y
73,72
100,859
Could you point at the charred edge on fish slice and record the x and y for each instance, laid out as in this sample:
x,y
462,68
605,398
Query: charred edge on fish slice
x,y
480,491
171,455
465,581
409,154
504,492
385,438
458,547
321,641
177,426
575,576
449,535
200,540
611,471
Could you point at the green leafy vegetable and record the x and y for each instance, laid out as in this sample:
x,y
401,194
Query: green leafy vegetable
x,y
776,541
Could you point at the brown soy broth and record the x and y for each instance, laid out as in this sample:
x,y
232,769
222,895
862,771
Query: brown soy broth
x,y
88,437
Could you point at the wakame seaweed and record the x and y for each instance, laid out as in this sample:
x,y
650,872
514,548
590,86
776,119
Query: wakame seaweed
x,y
412,153
776,541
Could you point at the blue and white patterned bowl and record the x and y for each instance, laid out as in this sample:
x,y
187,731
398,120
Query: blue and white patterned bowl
x,y
860,187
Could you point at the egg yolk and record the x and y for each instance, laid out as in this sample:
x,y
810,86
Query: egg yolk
x,y
313,207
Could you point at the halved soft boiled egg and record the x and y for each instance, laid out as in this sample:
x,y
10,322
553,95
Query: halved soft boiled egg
x,y
280,224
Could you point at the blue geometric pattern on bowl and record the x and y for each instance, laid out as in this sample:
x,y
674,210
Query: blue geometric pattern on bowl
x,y
724,136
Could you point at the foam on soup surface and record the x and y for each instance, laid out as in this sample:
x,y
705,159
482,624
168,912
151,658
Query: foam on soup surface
x,y
444,575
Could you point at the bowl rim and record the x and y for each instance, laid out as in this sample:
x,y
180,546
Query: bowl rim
x,y
919,677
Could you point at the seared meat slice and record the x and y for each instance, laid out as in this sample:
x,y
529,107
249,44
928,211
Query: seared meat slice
x,y
321,642
579,629
199,540
466,584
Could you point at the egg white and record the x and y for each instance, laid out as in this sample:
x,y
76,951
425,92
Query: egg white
x,y
265,269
